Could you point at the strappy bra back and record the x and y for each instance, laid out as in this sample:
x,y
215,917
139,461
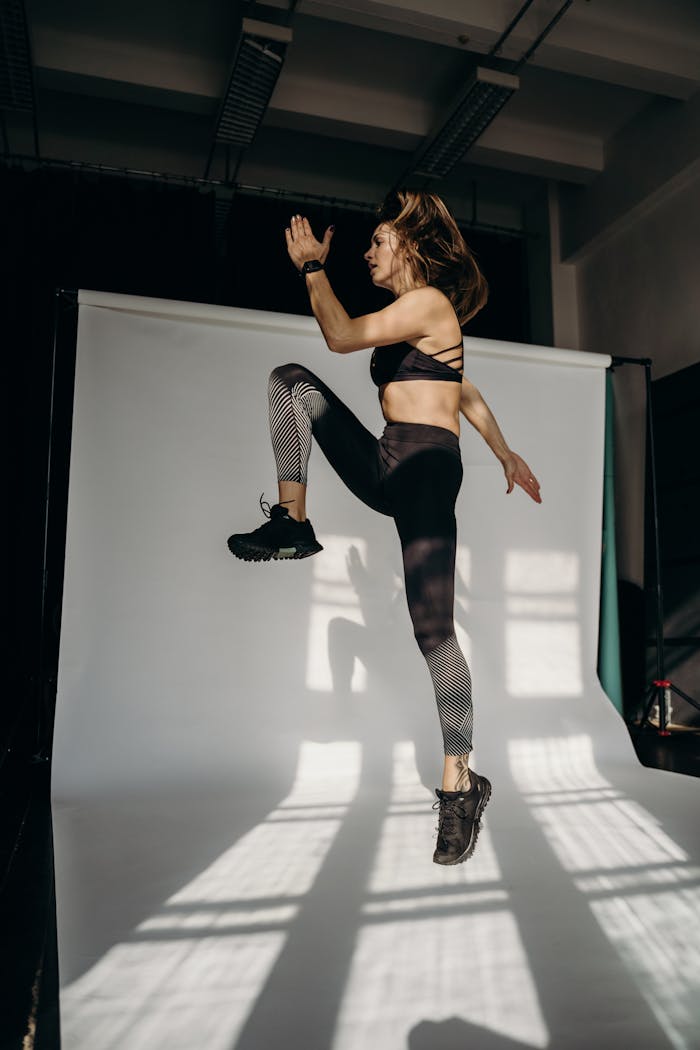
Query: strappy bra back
x,y
399,362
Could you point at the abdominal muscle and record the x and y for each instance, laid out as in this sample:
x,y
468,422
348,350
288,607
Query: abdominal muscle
x,y
422,401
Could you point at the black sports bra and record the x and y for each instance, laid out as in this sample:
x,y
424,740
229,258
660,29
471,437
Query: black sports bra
x,y
398,362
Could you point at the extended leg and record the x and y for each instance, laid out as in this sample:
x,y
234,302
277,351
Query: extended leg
x,y
429,571
429,566
424,488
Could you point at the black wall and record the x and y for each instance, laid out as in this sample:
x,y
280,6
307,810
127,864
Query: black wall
x,y
676,407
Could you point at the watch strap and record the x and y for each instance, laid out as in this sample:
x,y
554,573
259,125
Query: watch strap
x,y
311,266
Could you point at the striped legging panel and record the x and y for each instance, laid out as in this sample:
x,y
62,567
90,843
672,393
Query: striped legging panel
x,y
292,409
453,693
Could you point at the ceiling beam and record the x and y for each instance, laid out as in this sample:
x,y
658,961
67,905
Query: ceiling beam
x,y
592,40
383,119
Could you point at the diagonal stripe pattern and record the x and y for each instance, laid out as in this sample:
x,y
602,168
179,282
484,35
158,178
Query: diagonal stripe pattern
x,y
293,408
453,693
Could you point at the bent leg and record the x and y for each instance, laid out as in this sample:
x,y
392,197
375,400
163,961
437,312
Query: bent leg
x,y
302,406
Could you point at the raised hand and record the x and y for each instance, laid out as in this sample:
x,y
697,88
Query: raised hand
x,y
301,243
518,473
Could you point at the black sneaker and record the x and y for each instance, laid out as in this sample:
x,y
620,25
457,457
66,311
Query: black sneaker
x,y
459,820
280,537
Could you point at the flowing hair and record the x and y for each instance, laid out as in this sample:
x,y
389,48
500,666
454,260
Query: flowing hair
x,y
435,250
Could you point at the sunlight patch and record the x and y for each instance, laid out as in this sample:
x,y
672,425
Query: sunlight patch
x,y
190,974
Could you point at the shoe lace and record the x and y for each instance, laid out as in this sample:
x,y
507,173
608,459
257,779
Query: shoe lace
x,y
267,509
449,815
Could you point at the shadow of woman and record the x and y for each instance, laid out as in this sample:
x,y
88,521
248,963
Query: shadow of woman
x,y
383,643
456,1034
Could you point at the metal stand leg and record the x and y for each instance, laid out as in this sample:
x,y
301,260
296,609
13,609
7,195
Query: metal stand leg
x,y
661,687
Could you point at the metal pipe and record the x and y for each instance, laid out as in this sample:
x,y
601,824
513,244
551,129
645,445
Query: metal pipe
x,y
615,360
657,547
509,28
39,682
322,200
547,29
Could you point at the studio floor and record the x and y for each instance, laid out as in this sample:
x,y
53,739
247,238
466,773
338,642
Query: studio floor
x,y
240,920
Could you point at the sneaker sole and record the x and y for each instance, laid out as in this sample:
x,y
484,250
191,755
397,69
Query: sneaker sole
x,y
476,827
247,553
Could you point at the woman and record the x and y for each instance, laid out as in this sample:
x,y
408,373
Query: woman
x,y
414,471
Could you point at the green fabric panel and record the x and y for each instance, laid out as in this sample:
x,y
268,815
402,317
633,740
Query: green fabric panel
x,y
609,670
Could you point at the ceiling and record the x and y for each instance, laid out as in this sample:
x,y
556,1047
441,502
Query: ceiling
x,y
137,85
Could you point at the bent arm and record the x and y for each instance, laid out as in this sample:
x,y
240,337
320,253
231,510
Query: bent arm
x,y
411,316
333,319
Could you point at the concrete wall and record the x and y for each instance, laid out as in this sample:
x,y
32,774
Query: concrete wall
x,y
638,296
626,279
639,290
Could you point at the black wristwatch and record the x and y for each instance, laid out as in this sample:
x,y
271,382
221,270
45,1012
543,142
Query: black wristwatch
x,y
310,267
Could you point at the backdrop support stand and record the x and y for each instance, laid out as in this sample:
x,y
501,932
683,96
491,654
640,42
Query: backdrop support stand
x,y
45,681
661,688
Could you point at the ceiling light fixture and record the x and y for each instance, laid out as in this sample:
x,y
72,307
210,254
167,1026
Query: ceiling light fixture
x,y
257,62
485,93
16,77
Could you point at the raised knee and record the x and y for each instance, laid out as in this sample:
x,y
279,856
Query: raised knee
x,y
288,374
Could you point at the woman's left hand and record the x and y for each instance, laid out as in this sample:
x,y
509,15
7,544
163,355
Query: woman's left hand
x,y
518,473
301,243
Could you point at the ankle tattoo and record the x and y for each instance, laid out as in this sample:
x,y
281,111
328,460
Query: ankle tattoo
x,y
462,781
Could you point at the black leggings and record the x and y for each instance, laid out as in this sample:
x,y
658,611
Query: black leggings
x,y
411,473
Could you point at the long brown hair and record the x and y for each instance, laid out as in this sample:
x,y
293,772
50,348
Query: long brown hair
x,y
434,248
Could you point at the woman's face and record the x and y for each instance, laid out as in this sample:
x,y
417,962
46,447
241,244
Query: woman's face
x,y
384,259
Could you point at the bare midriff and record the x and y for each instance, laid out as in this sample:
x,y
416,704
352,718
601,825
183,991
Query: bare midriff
x,y
422,401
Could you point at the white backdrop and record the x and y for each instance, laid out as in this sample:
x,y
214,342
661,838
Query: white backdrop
x,y
244,753
179,662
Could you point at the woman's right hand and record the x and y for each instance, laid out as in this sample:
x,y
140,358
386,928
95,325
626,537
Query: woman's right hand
x,y
301,243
